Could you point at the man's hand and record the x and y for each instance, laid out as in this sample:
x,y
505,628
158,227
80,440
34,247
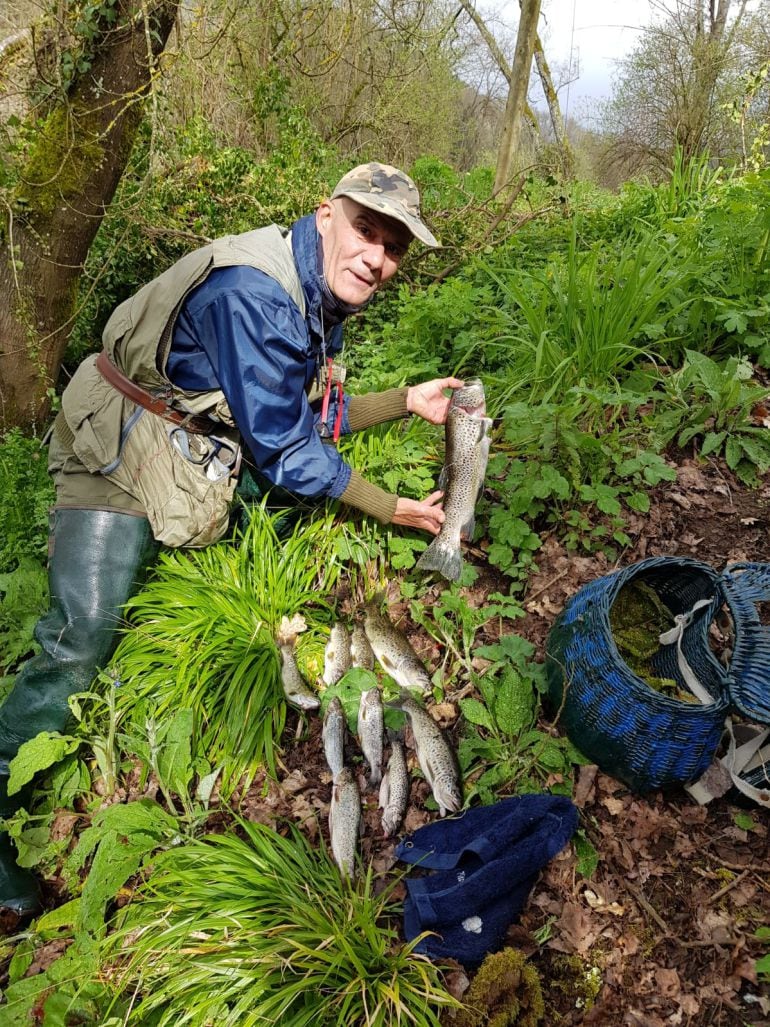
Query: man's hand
x,y
426,514
428,400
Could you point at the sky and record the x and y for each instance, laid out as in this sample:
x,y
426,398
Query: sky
x,y
593,34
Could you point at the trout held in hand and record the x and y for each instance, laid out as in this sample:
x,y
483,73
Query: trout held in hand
x,y
435,755
394,651
462,478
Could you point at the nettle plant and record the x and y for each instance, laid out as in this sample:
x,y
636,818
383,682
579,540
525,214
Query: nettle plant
x,y
503,752
713,404
559,465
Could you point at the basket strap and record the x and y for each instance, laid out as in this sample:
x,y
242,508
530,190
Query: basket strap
x,y
739,759
725,773
682,622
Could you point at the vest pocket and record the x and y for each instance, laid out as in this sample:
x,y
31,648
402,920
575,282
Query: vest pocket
x,y
185,481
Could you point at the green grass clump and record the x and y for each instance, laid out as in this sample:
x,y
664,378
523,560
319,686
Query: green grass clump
x,y
264,930
204,630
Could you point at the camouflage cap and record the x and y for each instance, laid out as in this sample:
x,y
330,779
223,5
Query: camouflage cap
x,y
384,188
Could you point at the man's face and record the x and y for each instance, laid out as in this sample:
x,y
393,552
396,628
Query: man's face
x,y
361,248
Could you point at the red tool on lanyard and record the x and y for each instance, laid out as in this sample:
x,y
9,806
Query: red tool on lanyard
x,y
335,434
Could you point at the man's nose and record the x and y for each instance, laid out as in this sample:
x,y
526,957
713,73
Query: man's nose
x,y
374,256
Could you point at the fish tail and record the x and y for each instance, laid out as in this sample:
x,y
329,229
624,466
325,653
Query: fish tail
x,y
442,557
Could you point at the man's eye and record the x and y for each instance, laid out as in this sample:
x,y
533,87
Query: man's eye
x,y
395,251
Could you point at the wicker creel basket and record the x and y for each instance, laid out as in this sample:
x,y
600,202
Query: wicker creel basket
x,y
632,731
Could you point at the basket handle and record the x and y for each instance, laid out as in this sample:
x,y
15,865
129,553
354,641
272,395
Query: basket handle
x,y
747,581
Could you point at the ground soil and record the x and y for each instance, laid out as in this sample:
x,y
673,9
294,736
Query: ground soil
x,y
663,932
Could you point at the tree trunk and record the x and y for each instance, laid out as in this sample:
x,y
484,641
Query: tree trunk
x,y
554,110
517,94
69,176
709,52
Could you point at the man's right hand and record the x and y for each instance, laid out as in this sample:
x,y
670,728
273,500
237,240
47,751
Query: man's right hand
x,y
426,514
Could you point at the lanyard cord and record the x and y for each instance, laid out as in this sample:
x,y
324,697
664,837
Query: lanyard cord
x,y
328,363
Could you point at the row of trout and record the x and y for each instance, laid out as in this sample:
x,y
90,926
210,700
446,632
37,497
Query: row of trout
x,y
376,638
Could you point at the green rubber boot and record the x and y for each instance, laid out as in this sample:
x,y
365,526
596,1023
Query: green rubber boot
x,y
19,890
98,560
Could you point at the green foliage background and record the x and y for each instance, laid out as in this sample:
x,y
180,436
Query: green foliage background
x,y
613,333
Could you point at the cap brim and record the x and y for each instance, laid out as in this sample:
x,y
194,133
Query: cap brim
x,y
382,205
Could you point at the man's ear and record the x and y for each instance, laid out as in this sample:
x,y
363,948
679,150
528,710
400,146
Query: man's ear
x,y
323,216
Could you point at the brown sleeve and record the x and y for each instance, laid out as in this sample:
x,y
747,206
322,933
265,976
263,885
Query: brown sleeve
x,y
370,498
376,407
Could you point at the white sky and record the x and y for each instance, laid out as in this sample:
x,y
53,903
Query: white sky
x,y
589,36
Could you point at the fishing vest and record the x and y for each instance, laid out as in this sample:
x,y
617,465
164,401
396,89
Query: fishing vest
x,y
139,333
184,481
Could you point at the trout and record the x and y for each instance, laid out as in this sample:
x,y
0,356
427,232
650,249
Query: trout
x,y
345,821
462,478
333,735
360,650
436,757
393,650
394,790
337,661
294,687
370,728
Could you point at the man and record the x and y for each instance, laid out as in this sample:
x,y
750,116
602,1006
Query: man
x,y
229,348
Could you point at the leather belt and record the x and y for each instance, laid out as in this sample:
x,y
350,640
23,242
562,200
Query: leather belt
x,y
198,424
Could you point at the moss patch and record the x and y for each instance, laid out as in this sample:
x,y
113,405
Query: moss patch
x,y
60,162
505,991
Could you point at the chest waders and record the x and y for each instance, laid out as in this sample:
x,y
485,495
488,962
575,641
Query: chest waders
x,y
97,562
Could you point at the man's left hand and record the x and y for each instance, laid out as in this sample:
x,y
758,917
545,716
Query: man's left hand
x,y
428,401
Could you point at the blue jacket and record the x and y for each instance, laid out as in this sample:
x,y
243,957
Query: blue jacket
x,y
241,332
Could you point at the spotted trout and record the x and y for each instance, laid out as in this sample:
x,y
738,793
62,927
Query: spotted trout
x,y
345,821
360,649
462,478
393,650
394,789
435,755
370,728
337,660
333,735
294,687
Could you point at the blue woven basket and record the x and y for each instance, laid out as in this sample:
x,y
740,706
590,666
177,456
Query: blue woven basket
x,y
633,732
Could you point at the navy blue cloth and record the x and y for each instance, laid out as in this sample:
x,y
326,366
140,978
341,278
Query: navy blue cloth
x,y
240,331
486,861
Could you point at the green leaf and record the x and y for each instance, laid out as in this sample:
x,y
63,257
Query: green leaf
x,y
38,754
712,442
639,501
587,856
733,453
514,704
476,713
745,821
174,741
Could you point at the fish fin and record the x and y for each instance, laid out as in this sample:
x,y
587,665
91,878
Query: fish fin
x,y
440,557
467,530
384,794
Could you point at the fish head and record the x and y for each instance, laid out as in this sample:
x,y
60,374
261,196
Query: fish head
x,y
470,397
448,796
